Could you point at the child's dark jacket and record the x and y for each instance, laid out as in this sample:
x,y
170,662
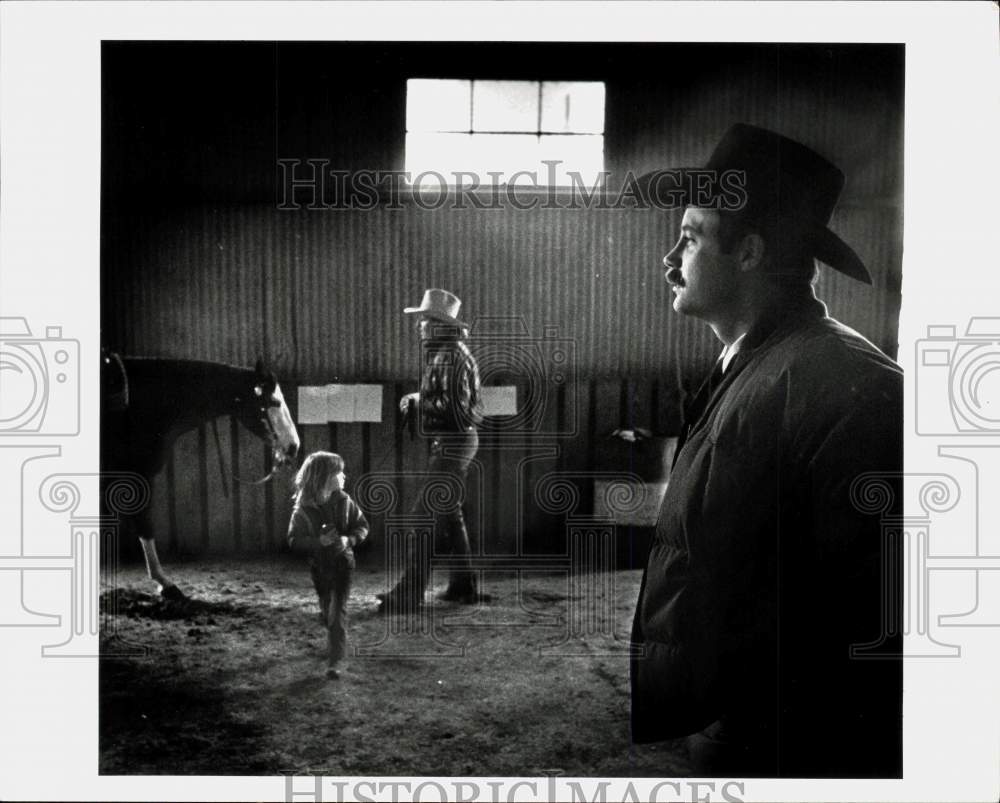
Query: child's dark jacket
x,y
339,515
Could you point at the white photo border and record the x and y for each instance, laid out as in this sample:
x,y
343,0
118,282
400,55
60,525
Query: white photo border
x,y
50,137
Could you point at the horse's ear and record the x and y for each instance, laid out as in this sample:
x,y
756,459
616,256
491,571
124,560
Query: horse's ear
x,y
259,367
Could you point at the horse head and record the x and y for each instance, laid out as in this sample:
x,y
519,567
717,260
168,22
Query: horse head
x,y
265,413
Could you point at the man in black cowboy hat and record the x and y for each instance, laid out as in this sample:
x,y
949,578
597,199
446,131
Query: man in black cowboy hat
x,y
763,575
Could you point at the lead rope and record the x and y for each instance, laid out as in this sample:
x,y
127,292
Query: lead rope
x,y
236,477
409,421
222,465
261,481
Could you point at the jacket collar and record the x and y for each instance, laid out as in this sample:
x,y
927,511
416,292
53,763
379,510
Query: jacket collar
x,y
785,313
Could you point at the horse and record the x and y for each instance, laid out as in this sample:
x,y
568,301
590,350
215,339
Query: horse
x,y
148,402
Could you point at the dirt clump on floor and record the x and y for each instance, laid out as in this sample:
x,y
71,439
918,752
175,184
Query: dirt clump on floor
x,y
232,681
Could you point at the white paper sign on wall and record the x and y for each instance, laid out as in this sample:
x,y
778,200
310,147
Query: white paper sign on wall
x,y
499,400
339,403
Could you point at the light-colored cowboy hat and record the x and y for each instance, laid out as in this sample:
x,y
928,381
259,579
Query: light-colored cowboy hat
x,y
439,305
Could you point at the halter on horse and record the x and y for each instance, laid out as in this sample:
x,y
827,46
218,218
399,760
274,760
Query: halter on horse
x,y
148,402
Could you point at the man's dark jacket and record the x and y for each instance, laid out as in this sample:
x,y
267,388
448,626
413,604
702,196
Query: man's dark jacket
x,y
763,572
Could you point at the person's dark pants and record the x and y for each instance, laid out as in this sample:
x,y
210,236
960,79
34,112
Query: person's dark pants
x,y
332,572
441,496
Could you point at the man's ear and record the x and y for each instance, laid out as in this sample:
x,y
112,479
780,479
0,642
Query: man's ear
x,y
751,252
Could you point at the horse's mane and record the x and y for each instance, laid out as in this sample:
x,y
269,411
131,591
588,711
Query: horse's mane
x,y
166,396
183,364
186,372
196,385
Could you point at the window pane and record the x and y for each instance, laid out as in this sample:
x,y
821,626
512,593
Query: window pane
x,y
439,153
508,154
479,154
505,106
437,105
573,107
582,154
506,117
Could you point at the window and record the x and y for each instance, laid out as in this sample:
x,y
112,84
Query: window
x,y
504,127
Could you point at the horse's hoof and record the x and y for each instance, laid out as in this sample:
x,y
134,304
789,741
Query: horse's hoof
x,y
172,593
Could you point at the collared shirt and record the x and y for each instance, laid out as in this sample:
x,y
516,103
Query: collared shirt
x,y
731,351
450,388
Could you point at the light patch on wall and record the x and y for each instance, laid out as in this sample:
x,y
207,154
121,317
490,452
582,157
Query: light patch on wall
x,y
499,400
339,403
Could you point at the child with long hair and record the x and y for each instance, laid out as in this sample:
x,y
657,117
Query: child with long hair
x,y
326,525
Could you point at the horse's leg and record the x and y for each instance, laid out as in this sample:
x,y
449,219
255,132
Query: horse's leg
x,y
154,570
142,524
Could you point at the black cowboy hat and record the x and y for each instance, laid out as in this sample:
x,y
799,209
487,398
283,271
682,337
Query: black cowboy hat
x,y
783,182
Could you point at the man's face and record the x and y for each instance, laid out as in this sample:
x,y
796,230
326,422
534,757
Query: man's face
x,y
704,278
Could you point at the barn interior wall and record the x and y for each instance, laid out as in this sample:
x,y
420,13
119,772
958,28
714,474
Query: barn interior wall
x,y
198,261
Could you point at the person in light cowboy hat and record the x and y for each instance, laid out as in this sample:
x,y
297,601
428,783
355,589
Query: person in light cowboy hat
x,y
447,406
763,573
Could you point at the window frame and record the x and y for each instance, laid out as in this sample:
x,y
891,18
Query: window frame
x,y
590,178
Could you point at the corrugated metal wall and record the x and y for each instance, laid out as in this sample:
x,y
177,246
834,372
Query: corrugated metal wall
x,y
321,294
198,262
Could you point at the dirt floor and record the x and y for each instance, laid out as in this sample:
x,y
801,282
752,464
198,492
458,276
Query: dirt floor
x,y
233,682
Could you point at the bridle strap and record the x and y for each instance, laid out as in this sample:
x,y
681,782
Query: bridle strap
x,y
272,439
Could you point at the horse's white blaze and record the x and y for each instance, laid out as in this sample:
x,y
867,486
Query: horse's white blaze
x,y
286,438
